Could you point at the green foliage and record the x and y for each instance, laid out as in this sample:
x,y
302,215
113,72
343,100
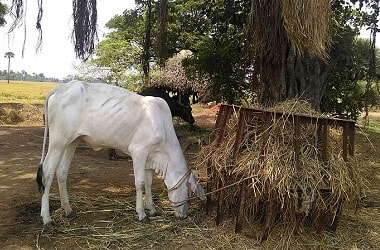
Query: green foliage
x,y
343,96
374,125
3,11
346,93
343,101
216,32
120,51
187,25
221,62
221,49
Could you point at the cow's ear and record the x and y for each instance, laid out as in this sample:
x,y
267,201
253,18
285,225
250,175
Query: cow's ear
x,y
195,186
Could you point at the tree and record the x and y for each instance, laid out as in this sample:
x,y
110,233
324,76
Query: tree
x,y
288,38
343,97
372,77
3,11
161,32
9,55
282,49
214,31
147,40
122,49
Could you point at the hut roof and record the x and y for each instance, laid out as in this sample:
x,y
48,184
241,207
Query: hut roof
x,y
173,75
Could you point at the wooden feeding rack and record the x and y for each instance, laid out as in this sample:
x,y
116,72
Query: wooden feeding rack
x,y
243,114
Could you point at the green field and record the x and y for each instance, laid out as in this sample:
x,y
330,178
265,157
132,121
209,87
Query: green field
x,y
24,92
373,123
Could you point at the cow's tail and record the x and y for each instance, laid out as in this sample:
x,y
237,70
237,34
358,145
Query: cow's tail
x,y
40,172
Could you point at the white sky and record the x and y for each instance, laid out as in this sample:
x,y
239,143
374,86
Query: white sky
x,y
57,55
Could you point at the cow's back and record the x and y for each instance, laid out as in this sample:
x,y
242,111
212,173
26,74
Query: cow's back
x,y
106,116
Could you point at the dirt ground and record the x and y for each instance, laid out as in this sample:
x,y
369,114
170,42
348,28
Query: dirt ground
x,y
91,174
102,191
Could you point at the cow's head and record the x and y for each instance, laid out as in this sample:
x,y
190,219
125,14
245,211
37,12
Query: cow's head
x,y
180,193
185,113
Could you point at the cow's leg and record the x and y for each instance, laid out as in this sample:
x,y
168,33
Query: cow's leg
x,y
62,172
139,160
148,192
49,168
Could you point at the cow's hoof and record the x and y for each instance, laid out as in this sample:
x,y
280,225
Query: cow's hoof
x,y
71,215
145,220
154,214
48,227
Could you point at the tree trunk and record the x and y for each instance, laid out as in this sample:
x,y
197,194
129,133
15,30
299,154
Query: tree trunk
x,y
147,41
9,66
161,32
295,76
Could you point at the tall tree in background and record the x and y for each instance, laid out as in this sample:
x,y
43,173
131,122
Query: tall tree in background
x,y
215,31
372,76
9,55
161,32
147,41
289,49
121,50
3,11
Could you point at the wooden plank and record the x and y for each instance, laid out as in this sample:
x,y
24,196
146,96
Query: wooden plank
x,y
239,133
225,112
224,115
240,214
219,208
324,142
297,147
351,139
345,141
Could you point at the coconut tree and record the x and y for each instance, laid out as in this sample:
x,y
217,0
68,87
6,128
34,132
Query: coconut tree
x,y
9,55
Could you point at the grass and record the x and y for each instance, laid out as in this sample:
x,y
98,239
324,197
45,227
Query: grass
x,y
374,126
24,92
373,122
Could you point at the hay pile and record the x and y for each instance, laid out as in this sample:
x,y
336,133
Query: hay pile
x,y
276,188
307,25
303,25
173,75
104,222
21,114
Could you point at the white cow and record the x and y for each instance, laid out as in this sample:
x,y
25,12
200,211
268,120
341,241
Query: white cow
x,y
107,116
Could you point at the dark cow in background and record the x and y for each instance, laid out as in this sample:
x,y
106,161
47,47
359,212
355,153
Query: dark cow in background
x,y
181,110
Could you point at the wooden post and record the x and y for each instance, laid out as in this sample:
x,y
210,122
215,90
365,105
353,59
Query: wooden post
x,y
240,214
297,134
224,115
345,141
324,143
243,185
351,138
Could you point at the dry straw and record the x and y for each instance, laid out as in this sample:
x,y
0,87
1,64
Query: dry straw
x,y
307,25
277,185
304,25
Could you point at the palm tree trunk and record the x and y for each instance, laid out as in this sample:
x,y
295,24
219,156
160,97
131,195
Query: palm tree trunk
x,y
9,66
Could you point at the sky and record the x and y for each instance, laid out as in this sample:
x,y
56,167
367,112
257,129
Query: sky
x,y
56,57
